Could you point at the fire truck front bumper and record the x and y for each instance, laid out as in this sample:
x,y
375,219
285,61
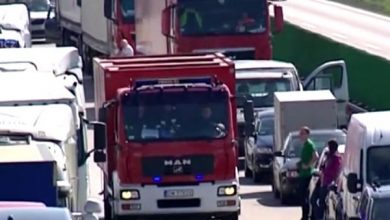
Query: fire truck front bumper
x,y
215,199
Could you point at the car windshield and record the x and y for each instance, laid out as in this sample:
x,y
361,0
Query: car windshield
x,y
127,9
6,140
165,115
222,17
378,164
37,5
295,145
261,91
380,209
266,126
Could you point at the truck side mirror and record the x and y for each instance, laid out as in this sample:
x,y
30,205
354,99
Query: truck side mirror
x,y
166,21
352,183
108,9
249,117
278,18
100,136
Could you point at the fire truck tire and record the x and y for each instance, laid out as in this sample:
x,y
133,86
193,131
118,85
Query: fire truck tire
x,y
233,216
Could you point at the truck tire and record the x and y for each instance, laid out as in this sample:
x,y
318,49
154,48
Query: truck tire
x,y
233,216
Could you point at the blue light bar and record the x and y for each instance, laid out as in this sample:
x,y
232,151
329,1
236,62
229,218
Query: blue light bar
x,y
199,177
139,83
156,179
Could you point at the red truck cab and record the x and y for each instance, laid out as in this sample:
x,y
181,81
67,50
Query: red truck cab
x,y
170,127
241,29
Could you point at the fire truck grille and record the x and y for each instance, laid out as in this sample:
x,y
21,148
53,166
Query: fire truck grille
x,y
172,166
178,203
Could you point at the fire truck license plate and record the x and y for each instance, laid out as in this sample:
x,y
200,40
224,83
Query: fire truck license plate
x,y
181,193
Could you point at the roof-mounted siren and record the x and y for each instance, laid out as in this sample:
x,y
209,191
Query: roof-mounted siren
x,y
173,81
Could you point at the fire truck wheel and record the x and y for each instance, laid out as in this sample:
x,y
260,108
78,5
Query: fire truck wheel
x,y
233,216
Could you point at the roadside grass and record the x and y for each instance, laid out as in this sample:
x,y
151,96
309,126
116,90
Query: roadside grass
x,y
378,6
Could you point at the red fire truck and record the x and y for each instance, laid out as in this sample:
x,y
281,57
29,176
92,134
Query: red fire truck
x,y
240,29
166,139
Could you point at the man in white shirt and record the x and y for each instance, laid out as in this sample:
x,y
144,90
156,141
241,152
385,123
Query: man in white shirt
x,y
125,49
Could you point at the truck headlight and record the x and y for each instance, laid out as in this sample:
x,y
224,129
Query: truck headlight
x,y
227,190
129,194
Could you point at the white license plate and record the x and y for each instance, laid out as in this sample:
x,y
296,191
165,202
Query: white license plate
x,y
180,193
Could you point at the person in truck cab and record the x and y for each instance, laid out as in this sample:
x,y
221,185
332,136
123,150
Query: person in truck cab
x,y
207,126
244,22
305,166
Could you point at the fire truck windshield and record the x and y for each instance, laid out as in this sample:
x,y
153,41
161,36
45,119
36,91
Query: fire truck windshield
x,y
261,91
127,9
222,17
176,116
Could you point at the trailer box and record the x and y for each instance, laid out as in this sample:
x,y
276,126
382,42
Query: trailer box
x,y
315,109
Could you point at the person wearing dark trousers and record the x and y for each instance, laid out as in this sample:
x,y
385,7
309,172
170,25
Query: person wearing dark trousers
x,y
329,173
308,158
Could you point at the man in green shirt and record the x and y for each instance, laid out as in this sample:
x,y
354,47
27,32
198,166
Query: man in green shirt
x,y
307,160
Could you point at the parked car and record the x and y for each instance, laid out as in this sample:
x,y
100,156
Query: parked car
x,y
316,179
259,147
285,171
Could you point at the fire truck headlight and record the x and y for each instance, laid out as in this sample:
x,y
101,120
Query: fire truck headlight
x,y
129,194
227,190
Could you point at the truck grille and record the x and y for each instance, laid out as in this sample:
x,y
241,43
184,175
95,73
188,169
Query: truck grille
x,y
37,21
241,55
178,203
172,166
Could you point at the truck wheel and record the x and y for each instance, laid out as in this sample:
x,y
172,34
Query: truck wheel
x,y
233,216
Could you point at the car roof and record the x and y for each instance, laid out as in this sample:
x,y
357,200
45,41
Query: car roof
x,y
320,131
28,213
262,64
14,204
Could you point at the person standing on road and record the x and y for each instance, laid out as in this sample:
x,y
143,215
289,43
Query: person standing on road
x,y
125,49
308,158
329,173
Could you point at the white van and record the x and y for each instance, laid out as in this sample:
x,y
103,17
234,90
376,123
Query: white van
x,y
366,158
14,26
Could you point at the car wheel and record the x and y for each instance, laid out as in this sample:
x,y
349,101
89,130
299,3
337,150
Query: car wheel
x,y
275,190
284,199
256,176
248,172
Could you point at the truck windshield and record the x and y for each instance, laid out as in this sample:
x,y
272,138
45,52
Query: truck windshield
x,y
378,164
261,91
191,115
380,209
127,10
320,140
222,17
6,140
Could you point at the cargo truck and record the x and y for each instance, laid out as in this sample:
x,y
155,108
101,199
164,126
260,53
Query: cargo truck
x,y
164,166
38,104
239,28
84,24
14,25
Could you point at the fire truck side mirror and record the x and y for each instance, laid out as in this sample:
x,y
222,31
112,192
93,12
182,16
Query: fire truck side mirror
x,y
166,21
278,18
100,136
108,9
249,117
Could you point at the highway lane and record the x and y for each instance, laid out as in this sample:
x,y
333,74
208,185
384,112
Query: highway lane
x,y
355,27
257,199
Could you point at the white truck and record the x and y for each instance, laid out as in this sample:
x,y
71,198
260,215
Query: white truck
x,y
38,104
95,27
14,26
315,109
63,62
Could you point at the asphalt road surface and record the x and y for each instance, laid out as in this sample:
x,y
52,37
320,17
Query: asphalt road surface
x,y
355,27
257,199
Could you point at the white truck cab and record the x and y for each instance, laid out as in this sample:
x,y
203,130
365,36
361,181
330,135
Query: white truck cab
x,y
63,62
38,103
367,157
14,25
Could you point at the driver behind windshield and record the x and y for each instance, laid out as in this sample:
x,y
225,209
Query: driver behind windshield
x,y
206,126
245,22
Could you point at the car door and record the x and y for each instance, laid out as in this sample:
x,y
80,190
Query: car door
x,y
278,163
332,76
250,146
